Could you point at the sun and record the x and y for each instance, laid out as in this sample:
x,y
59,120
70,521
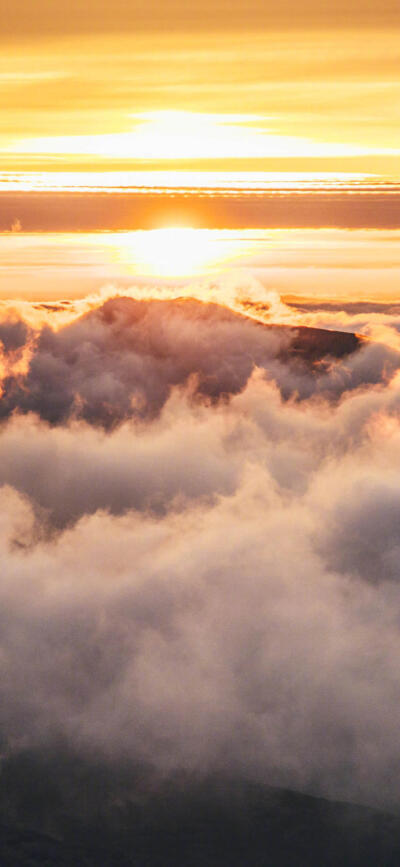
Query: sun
x,y
174,251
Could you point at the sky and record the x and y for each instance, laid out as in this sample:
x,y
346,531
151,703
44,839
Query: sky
x,y
356,264
257,86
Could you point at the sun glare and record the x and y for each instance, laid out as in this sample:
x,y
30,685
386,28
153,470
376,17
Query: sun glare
x,y
174,251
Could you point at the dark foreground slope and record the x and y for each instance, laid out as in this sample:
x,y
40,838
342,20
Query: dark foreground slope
x,y
98,819
21,847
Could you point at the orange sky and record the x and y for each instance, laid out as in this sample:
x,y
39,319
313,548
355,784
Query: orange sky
x,y
239,85
47,16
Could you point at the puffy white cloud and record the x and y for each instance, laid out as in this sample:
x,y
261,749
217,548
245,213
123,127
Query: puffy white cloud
x,y
121,360
213,586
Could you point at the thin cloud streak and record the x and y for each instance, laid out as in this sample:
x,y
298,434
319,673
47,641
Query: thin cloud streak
x,y
86,212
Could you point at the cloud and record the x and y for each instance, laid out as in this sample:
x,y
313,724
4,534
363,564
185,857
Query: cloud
x,y
122,359
211,584
374,319
14,333
47,211
16,225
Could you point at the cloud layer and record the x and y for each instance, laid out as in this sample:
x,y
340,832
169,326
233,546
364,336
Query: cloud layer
x,y
121,360
199,535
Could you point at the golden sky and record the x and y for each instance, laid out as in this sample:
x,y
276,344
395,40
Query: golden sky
x,y
49,16
214,85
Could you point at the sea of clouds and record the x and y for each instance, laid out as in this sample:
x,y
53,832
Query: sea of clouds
x,y
200,542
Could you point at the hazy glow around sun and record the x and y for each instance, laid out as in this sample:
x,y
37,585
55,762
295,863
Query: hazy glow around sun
x,y
174,252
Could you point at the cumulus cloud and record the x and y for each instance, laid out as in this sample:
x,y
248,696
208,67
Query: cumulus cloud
x,y
212,583
122,359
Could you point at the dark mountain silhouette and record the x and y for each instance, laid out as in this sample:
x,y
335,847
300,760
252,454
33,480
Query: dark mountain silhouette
x,y
60,811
